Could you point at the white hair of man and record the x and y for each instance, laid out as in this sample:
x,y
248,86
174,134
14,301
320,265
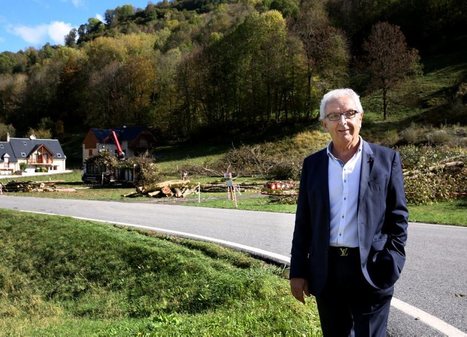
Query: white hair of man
x,y
338,93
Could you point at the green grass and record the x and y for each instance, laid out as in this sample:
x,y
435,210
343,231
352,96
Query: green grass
x,y
172,159
66,277
68,179
252,201
451,213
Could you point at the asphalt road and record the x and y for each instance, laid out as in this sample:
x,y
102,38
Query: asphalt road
x,y
434,278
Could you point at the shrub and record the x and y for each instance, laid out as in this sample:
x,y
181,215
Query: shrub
x,y
284,171
444,135
311,141
413,134
147,171
438,137
391,138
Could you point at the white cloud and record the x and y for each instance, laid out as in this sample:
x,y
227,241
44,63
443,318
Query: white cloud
x,y
33,35
99,17
53,32
57,31
77,3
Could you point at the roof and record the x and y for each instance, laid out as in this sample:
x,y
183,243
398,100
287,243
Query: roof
x,y
127,133
5,147
22,147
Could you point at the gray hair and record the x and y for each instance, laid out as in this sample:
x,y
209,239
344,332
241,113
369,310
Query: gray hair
x,y
338,93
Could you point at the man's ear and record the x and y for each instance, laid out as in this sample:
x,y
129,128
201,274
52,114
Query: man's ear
x,y
323,124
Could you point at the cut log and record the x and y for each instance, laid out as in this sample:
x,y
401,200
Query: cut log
x,y
167,191
154,193
132,194
186,192
177,192
168,183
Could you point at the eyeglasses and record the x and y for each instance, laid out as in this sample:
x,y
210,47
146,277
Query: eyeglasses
x,y
335,116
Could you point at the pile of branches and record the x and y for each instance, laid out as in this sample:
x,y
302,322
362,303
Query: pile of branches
x,y
29,186
434,173
444,181
169,188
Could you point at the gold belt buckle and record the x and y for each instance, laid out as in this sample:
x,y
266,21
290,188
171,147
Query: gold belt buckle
x,y
343,251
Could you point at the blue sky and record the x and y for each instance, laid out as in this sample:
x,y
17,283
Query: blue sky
x,y
32,23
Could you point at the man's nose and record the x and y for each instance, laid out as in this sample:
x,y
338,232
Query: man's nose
x,y
342,119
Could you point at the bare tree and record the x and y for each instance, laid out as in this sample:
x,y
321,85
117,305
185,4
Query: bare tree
x,y
388,59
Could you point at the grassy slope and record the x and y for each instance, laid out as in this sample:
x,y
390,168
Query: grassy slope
x,y
63,277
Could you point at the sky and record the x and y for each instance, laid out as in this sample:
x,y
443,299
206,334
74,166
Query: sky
x,y
33,23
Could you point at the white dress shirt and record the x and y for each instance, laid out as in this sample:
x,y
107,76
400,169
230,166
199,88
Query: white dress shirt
x,y
344,184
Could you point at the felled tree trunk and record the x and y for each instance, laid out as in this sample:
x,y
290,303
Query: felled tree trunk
x,y
159,186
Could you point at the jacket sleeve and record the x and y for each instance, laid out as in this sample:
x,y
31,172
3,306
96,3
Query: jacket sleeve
x,y
301,235
386,265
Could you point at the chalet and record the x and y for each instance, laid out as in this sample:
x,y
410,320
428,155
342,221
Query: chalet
x,y
134,141
37,155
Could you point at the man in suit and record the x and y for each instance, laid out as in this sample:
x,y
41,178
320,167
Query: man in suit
x,y
350,226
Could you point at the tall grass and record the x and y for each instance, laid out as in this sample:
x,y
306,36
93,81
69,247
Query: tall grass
x,y
65,277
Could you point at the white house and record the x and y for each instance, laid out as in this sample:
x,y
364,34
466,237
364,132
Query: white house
x,y
44,155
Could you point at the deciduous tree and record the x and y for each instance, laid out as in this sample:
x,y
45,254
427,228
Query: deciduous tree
x,y
325,48
388,59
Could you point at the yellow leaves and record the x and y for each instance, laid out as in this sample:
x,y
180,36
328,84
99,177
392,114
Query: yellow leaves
x,y
274,17
107,49
215,37
172,24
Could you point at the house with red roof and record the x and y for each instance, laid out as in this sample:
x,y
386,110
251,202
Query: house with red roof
x,y
134,141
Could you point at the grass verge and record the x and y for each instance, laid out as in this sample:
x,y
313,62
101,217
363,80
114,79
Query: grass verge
x,y
448,213
66,277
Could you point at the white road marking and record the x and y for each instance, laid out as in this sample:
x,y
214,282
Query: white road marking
x,y
430,320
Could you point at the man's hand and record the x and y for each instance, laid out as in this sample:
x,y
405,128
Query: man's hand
x,y
299,286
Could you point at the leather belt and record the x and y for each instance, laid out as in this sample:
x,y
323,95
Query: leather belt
x,y
343,251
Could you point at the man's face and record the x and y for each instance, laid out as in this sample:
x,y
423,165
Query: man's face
x,y
344,131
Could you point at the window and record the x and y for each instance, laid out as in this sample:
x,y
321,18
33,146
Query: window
x,y
23,154
59,155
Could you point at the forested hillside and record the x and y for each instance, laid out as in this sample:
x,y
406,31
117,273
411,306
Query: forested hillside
x,y
193,67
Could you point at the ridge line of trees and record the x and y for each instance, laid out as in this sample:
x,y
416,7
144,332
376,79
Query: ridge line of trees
x,y
187,66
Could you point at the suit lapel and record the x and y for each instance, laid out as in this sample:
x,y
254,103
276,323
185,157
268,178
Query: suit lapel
x,y
367,166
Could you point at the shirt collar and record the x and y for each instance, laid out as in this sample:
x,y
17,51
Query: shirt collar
x,y
329,148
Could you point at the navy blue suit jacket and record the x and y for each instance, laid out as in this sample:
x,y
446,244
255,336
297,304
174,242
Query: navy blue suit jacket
x,y
382,219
